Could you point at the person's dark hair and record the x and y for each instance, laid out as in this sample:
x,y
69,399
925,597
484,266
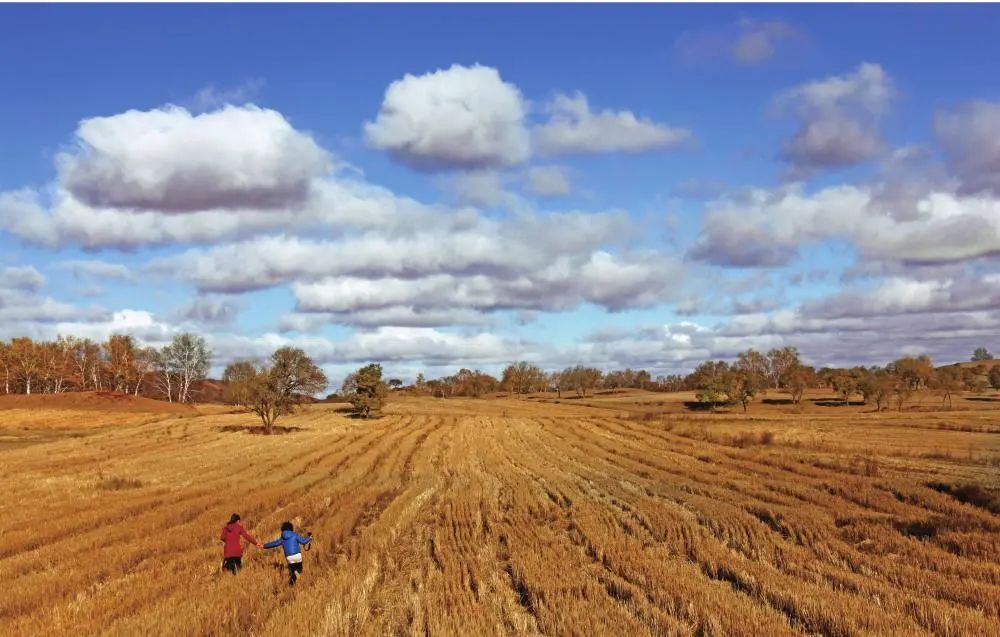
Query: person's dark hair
x,y
287,526
234,518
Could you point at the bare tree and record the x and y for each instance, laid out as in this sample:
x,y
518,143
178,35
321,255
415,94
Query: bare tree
x,y
6,365
146,361
27,362
187,359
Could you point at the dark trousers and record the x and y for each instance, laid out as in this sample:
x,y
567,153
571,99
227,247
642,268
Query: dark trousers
x,y
232,564
293,573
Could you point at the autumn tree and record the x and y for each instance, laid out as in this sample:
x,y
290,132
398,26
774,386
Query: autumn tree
x,y
915,372
366,390
845,384
522,378
754,366
279,386
581,378
120,357
994,377
709,382
946,382
798,380
783,361
740,385
876,387
85,358
238,377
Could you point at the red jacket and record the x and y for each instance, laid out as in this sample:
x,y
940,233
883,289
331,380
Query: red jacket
x,y
231,534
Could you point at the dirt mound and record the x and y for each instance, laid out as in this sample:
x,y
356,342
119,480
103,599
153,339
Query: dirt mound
x,y
101,400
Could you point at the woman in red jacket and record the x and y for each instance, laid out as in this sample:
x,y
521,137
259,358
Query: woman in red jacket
x,y
232,552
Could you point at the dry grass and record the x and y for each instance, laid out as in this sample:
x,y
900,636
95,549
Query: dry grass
x,y
607,515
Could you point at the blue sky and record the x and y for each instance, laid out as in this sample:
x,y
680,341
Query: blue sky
x,y
617,185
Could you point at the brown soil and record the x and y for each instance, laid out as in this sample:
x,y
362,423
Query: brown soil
x,y
102,401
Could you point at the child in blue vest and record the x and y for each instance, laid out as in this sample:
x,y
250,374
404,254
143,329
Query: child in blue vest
x,y
290,542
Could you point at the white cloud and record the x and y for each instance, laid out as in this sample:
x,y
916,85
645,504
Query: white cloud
x,y
168,160
211,310
766,228
478,188
138,323
548,181
573,128
97,269
463,243
335,202
839,118
460,117
746,42
757,41
212,96
24,278
970,137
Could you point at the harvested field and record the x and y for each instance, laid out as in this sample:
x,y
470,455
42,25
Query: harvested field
x,y
607,515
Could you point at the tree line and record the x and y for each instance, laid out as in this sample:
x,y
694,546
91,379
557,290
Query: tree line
x,y
277,385
119,364
737,382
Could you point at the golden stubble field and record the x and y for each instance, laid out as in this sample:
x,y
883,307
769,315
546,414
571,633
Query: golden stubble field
x,y
620,514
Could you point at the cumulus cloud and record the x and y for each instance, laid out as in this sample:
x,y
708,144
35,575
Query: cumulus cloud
x,y
478,188
391,345
746,42
838,117
138,323
95,268
211,310
907,295
461,117
573,128
548,181
603,279
461,244
970,137
336,202
22,278
456,266
168,160
212,96
767,227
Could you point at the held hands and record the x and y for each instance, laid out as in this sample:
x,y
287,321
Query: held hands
x,y
260,544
